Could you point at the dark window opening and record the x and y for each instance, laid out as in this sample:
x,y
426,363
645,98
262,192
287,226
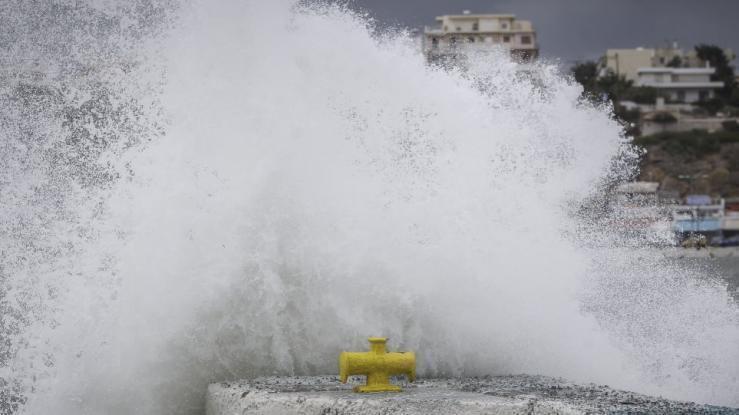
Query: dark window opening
x,y
525,40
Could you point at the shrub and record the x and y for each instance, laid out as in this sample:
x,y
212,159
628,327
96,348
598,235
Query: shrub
x,y
730,125
664,118
719,177
689,143
726,137
628,115
641,94
712,105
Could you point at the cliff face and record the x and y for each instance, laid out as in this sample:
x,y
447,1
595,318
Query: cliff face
x,y
692,164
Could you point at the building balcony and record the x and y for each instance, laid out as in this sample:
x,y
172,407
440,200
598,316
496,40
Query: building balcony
x,y
433,30
478,47
681,85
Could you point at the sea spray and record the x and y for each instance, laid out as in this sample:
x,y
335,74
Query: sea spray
x,y
315,184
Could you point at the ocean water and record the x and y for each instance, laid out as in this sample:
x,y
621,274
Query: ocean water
x,y
196,192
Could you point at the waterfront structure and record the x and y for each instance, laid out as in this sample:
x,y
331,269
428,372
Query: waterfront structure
x,y
700,214
636,209
730,220
688,85
639,208
455,35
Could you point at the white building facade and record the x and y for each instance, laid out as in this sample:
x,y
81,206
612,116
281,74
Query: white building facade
x,y
455,35
689,85
627,62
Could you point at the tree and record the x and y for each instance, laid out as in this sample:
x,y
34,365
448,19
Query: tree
x,y
641,95
675,62
586,74
597,86
614,86
712,105
715,56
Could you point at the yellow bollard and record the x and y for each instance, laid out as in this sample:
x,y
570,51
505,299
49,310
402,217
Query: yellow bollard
x,y
378,366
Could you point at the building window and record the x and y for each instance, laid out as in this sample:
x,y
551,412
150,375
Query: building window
x,y
475,26
434,43
506,39
459,29
525,40
681,96
504,25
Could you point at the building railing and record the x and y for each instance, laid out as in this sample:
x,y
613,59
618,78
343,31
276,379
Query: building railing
x,y
678,84
433,30
478,47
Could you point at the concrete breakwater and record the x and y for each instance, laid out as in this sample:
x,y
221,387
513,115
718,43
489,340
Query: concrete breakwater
x,y
520,394
724,262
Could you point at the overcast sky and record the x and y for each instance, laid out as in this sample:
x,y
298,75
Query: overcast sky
x,y
572,30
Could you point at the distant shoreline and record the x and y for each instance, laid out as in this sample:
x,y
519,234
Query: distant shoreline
x,y
707,252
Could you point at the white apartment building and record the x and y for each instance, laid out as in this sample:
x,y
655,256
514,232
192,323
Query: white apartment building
x,y
687,85
627,62
457,34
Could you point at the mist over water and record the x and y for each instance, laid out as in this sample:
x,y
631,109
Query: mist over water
x,y
283,183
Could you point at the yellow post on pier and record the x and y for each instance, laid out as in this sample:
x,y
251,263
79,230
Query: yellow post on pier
x,y
378,365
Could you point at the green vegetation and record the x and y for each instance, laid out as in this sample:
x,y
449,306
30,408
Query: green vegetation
x,y
730,125
664,118
598,88
712,106
640,95
694,143
675,62
714,55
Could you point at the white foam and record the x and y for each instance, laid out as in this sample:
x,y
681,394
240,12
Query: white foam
x,y
317,185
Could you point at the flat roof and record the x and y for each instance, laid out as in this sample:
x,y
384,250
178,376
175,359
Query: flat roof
x,y
477,16
650,50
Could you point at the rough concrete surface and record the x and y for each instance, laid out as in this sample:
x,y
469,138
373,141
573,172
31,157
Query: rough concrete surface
x,y
521,394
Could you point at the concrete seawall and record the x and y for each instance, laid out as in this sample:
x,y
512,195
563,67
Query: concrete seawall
x,y
522,394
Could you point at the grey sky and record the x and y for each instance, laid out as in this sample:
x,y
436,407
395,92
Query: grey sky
x,y
582,29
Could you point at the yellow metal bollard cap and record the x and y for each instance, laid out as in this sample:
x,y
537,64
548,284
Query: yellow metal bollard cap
x,y
378,365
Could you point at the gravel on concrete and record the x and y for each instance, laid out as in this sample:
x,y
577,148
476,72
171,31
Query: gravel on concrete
x,y
519,394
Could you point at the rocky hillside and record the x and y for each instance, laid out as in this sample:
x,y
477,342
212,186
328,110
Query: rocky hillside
x,y
692,162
